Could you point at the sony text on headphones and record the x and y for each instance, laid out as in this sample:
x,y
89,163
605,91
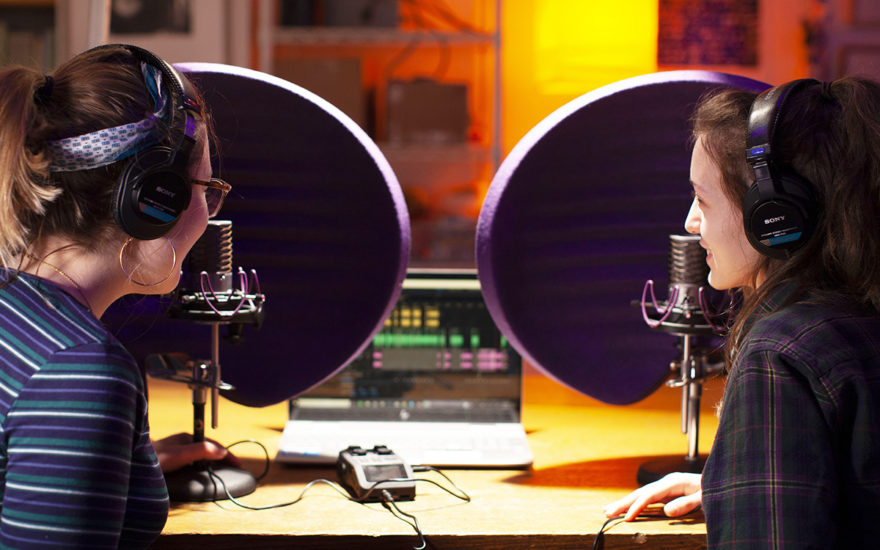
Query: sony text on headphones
x,y
779,210
154,187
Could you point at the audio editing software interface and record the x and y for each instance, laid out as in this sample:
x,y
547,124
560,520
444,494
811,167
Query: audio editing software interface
x,y
439,352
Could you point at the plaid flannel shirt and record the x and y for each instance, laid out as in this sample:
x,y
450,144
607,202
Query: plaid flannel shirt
x,y
796,458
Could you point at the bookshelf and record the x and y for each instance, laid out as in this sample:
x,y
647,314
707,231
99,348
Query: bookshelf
x,y
422,79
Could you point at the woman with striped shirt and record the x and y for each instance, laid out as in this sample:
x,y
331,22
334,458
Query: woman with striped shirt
x,y
105,179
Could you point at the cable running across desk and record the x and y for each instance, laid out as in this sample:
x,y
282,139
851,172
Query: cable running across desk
x,y
387,500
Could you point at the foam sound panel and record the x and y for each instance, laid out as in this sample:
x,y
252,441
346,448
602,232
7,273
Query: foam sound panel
x,y
316,211
577,218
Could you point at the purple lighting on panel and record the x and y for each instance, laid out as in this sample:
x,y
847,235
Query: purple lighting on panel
x,y
576,219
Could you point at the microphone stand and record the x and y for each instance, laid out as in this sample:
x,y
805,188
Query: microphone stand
x,y
205,481
686,315
201,481
693,367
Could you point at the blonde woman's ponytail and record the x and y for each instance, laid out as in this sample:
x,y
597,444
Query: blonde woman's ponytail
x,y
25,187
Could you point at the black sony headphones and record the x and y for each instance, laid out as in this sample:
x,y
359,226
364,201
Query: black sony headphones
x,y
779,209
154,187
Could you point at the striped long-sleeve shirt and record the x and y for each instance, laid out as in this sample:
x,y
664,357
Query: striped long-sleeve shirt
x,y
796,458
77,469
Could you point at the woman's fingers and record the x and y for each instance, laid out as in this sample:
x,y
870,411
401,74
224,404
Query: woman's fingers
x,y
667,489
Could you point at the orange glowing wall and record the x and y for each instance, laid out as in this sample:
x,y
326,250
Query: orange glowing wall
x,y
556,50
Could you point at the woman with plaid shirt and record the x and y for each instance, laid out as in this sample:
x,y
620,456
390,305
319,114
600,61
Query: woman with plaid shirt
x,y
794,225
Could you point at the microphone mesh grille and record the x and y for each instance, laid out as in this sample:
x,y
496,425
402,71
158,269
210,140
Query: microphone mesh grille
x,y
213,251
687,260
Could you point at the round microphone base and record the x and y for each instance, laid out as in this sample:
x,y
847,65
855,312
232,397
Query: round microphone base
x,y
653,470
194,483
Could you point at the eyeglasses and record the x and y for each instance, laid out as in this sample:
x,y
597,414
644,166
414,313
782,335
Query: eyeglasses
x,y
215,192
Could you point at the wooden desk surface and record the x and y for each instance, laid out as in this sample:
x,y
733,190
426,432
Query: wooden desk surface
x,y
586,455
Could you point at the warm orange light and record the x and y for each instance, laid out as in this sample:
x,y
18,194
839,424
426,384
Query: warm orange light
x,y
583,45
557,50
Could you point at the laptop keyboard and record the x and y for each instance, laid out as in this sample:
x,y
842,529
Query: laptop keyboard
x,y
439,444
412,415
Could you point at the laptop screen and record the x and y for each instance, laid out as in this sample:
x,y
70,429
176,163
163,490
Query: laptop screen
x,y
438,354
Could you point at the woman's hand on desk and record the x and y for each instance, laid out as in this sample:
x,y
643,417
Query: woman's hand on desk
x,y
178,450
680,491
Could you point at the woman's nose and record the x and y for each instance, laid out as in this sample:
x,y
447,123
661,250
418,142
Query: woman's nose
x,y
692,221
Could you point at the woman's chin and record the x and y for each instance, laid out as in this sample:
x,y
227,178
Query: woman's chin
x,y
715,283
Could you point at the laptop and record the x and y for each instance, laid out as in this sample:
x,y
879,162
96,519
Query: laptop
x,y
439,385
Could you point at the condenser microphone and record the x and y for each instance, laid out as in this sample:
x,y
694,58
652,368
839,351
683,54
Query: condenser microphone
x,y
211,254
687,314
686,310
210,290
211,293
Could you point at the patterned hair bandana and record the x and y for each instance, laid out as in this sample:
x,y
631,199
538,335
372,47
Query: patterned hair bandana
x,y
109,145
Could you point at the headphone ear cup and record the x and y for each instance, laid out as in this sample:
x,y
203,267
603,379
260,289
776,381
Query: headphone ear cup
x,y
779,221
150,194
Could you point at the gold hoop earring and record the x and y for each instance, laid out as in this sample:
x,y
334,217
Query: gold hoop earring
x,y
130,276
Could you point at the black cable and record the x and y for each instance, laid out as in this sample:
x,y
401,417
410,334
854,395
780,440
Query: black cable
x,y
391,506
215,478
387,499
424,468
599,541
460,494
309,485
375,486
265,454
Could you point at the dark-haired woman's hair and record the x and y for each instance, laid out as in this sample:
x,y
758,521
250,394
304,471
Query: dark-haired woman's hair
x,y
97,89
830,135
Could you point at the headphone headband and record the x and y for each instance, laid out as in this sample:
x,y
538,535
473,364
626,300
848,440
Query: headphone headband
x,y
185,106
763,117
